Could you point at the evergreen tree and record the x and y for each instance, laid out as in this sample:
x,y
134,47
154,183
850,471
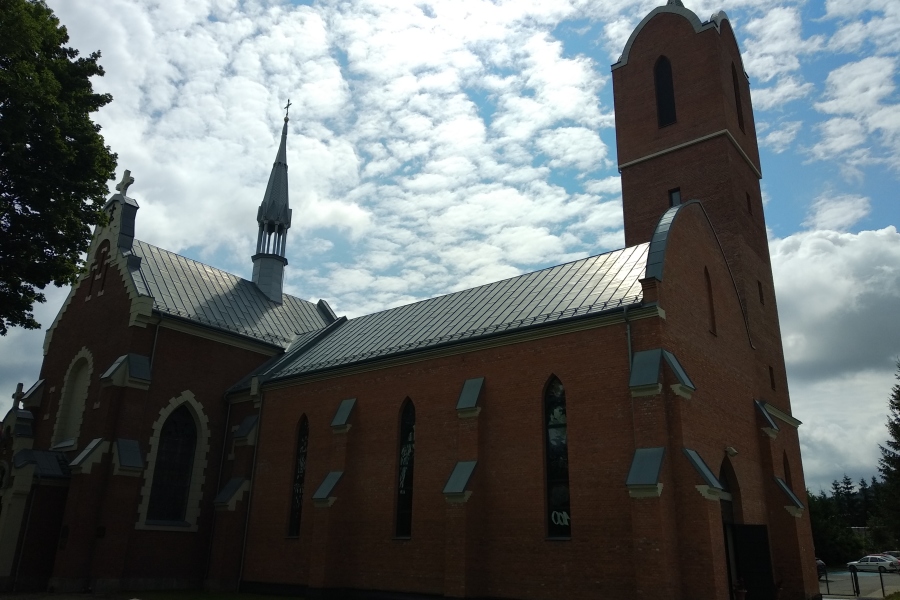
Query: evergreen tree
x,y
53,163
889,464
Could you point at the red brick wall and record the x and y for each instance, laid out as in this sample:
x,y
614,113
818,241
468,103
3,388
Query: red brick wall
x,y
124,555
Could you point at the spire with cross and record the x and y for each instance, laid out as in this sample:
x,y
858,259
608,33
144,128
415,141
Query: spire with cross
x,y
274,219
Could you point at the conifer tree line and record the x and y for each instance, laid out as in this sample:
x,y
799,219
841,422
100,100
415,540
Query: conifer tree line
x,y
864,517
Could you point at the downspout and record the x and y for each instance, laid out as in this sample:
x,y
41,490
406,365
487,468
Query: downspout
x,y
259,422
212,531
34,488
153,350
630,360
628,334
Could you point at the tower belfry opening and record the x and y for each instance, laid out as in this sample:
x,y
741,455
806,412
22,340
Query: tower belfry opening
x,y
274,218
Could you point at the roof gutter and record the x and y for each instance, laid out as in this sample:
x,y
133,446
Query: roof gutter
x,y
458,342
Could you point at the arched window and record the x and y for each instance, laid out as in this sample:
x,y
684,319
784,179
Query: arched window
x,y
557,457
405,474
174,463
299,476
737,97
71,404
665,91
709,298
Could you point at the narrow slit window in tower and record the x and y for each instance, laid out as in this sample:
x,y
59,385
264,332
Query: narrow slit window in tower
x,y
762,298
772,377
675,197
712,308
737,97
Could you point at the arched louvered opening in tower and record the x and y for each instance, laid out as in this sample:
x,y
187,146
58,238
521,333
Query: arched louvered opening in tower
x,y
665,91
272,238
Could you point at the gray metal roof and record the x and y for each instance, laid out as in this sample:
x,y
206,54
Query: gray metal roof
x,y
645,368
328,484
185,288
588,286
48,464
468,397
343,412
86,453
231,488
129,454
788,492
646,466
702,468
459,478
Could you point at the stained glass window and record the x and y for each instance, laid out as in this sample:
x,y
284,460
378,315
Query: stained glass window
x,y
405,475
557,448
174,463
665,91
299,476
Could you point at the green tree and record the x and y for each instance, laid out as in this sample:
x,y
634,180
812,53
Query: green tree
x,y
889,464
53,162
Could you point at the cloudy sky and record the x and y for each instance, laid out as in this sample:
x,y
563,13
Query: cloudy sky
x,y
443,144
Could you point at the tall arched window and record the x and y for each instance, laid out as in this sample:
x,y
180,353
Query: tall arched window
x,y
405,474
665,91
737,97
71,404
299,476
557,457
709,299
174,463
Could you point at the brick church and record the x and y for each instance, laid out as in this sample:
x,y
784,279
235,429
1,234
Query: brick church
x,y
194,429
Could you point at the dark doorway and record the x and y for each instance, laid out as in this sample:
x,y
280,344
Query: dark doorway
x,y
754,563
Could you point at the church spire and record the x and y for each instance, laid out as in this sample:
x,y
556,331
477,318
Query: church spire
x,y
274,218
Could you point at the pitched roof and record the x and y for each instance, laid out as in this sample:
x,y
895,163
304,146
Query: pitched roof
x,y
587,286
191,290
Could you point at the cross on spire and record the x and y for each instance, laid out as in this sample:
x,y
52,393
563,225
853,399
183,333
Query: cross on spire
x,y
287,109
127,180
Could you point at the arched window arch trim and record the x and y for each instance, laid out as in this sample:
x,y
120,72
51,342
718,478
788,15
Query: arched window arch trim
x,y
556,459
298,477
70,412
201,454
405,469
664,85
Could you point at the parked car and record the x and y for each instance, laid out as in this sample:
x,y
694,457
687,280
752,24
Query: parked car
x,y
875,562
820,567
894,553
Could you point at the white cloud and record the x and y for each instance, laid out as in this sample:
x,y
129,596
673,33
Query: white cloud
x,y
867,128
839,343
774,45
785,90
575,147
781,137
837,212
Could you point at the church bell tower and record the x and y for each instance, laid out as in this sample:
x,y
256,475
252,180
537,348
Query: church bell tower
x,y
685,131
274,218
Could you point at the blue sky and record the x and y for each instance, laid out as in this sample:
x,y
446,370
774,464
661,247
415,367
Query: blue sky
x,y
439,145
